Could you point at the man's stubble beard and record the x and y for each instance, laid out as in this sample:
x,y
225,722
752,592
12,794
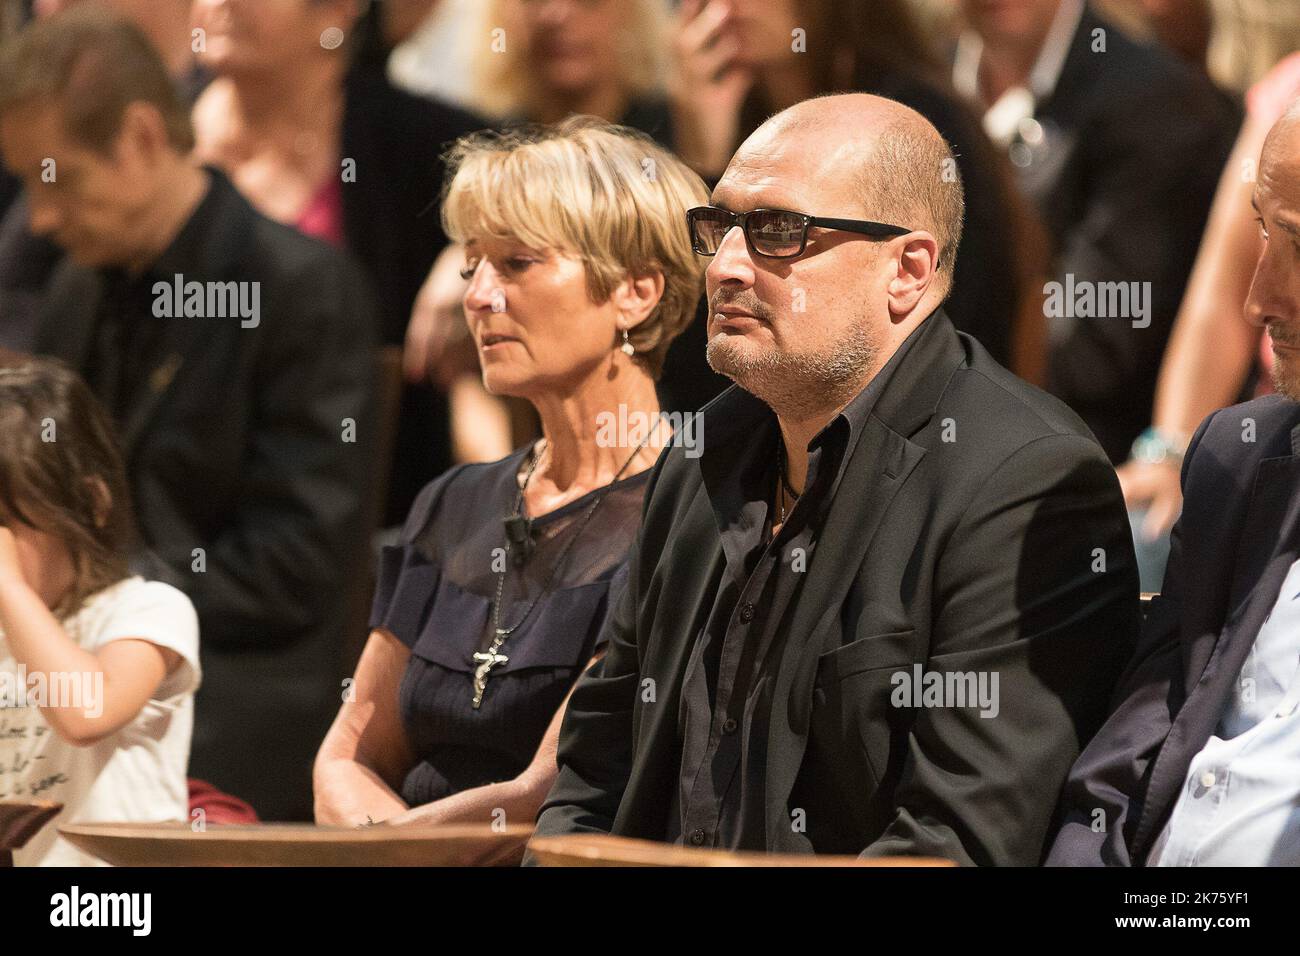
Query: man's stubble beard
x,y
798,385
1286,379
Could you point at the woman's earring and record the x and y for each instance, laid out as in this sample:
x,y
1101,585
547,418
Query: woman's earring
x,y
628,347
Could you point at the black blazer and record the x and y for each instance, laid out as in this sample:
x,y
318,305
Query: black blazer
x,y
1237,537
971,554
235,446
1134,143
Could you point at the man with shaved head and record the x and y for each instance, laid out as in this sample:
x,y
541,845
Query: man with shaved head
x,y
1199,765
883,608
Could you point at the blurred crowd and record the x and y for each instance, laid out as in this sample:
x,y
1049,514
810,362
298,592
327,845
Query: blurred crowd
x,y
291,159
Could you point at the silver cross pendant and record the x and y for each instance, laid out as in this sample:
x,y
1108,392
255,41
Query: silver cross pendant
x,y
486,661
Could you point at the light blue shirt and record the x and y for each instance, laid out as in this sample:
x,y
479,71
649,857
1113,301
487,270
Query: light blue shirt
x,y
1240,802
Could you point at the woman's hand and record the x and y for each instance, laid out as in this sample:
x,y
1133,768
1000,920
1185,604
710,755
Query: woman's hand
x,y
707,87
1156,488
437,329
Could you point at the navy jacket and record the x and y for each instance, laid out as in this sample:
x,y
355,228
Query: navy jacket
x,y
1232,547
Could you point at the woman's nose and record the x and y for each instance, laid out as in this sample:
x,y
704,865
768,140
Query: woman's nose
x,y
484,292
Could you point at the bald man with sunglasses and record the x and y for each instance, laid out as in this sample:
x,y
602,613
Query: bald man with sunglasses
x,y
880,605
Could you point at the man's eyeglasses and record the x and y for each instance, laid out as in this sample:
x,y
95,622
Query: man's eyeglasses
x,y
773,233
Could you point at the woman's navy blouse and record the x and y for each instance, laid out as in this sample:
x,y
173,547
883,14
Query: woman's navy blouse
x,y
435,591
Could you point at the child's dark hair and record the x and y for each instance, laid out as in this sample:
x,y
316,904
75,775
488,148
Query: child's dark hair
x,y
61,471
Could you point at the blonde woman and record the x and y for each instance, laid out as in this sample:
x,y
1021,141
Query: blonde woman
x,y
541,62
580,274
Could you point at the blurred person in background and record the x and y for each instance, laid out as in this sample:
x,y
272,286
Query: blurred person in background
x,y
581,274
605,58
301,116
435,58
739,61
1119,146
235,357
27,261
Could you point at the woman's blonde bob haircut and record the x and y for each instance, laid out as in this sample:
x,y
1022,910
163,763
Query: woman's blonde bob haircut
x,y
605,194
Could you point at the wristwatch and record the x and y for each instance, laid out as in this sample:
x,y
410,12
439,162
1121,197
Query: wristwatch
x,y
1156,446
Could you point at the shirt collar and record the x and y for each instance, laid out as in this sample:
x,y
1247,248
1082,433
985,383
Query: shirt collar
x,y
739,432
737,413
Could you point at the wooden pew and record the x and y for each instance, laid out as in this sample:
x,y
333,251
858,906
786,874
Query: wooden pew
x,y
295,844
19,822
595,850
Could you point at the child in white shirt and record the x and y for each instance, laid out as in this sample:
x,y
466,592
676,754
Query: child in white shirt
x,y
98,668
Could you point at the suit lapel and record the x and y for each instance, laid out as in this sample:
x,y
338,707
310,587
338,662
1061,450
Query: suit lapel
x,y
1267,550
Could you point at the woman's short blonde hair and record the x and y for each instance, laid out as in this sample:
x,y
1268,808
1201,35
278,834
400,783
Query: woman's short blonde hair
x,y
609,195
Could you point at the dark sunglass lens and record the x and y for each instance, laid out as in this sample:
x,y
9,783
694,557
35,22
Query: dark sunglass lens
x,y
776,233
708,228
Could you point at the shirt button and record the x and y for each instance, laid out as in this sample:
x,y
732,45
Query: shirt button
x,y
1207,779
746,613
697,837
729,725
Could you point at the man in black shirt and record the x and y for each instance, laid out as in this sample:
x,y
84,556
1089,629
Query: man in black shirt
x,y
885,607
236,357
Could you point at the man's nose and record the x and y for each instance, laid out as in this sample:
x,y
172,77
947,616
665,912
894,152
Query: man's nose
x,y
1272,297
732,262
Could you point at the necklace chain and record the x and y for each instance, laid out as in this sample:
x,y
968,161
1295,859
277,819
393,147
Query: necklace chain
x,y
501,634
783,487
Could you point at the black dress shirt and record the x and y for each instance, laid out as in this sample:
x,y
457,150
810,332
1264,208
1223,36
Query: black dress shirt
x,y
726,696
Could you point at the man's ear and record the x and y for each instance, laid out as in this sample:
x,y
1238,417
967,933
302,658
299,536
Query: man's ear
x,y
143,139
102,498
636,297
915,272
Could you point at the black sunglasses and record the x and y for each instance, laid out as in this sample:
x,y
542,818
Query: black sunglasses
x,y
772,233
